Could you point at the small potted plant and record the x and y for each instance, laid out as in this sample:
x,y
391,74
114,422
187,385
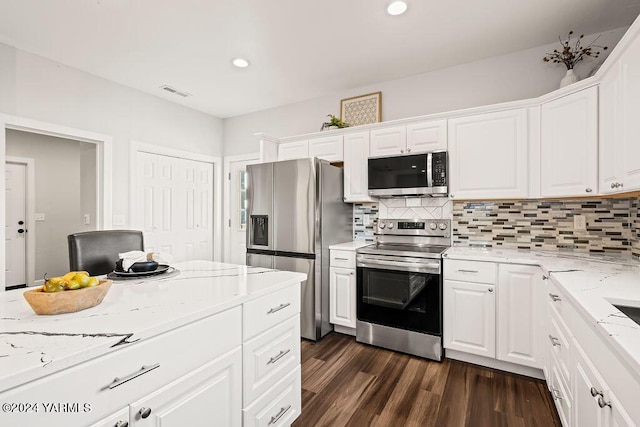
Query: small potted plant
x,y
334,123
570,55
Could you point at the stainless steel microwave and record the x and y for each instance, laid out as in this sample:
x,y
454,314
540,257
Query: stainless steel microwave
x,y
406,176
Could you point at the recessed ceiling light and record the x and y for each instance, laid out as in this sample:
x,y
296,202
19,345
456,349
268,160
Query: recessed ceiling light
x,y
396,8
240,62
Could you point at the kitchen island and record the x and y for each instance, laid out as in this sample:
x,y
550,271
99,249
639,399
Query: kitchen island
x,y
216,342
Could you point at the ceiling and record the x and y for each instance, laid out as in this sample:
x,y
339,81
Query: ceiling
x,y
298,49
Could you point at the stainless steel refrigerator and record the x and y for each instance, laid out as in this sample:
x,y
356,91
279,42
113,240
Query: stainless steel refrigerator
x,y
295,211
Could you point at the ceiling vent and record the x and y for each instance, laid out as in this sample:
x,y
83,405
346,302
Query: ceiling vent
x,y
175,91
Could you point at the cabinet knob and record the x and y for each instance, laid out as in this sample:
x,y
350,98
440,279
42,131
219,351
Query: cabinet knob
x,y
594,392
408,150
613,184
602,403
490,289
402,151
122,424
621,185
144,412
588,190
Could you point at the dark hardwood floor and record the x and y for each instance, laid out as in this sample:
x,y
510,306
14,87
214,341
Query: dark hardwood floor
x,y
345,383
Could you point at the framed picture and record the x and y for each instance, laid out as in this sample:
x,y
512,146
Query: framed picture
x,y
361,110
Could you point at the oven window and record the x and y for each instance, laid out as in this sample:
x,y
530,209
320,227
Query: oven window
x,y
400,299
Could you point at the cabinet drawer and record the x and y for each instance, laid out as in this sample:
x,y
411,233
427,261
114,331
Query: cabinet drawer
x,y
344,259
265,312
561,396
279,406
470,271
176,353
559,341
269,357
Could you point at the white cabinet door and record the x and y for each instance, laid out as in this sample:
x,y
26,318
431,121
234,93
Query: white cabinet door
x,y
427,136
630,111
356,180
342,296
293,150
488,155
618,417
569,141
388,141
587,412
518,314
470,318
610,144
209,395
117,419
329,148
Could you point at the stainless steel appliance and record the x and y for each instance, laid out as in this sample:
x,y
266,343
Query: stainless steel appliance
x,y
406,176
295,211
399,286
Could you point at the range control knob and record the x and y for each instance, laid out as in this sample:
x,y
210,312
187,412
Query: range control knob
x,y
433,226
390,225
381,225
442,226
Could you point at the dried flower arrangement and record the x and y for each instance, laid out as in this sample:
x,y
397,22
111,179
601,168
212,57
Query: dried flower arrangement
x,y
570,55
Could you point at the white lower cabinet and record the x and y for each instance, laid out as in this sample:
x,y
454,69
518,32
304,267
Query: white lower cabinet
x,y
209,395
342,296
280,406
470,317
117,419
519,331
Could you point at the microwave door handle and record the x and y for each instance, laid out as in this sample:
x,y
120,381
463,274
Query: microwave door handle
x,y
429,170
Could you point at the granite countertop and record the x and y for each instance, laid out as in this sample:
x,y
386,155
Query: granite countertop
x,y
350,246
591,282
33,346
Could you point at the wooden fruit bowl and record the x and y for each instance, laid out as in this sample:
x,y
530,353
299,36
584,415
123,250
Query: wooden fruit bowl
x,y
66,301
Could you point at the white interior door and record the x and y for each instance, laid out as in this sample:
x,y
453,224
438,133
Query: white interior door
x,y
15,235
175,206
237,211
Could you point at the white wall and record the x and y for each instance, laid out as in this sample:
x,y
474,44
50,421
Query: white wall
x,y
40,89
58,194
515,76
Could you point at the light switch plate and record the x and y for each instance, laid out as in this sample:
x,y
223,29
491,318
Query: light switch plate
x,y
86,219
580,222
40,217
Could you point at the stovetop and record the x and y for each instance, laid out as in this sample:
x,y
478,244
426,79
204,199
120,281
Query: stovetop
x,y
401,249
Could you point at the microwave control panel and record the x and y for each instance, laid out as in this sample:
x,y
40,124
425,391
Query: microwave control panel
x,y
439,169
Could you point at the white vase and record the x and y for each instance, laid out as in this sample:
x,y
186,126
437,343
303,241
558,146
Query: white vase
x,y
568,78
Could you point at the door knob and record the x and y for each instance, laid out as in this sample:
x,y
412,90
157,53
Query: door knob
x,y
20,222
21,230
144,412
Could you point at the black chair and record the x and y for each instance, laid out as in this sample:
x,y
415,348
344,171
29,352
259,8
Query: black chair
x,y
97,251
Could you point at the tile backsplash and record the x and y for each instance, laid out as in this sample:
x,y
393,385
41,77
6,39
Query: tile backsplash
x,y
398,208
612,225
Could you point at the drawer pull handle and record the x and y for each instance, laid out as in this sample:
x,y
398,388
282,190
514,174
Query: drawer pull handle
x,y
554,341
279,356
342,259
545,277
468,271
119,381
122,424
556,394
594,392
278,308
602,403
555,297
144,412
279,415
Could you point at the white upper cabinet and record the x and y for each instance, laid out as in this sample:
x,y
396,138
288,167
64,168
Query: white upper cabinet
x,y
427,136
328,148
293,150
356,179
388,141
569,142
488,155
619,132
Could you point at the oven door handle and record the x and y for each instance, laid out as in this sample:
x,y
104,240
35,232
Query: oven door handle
x,y
418,267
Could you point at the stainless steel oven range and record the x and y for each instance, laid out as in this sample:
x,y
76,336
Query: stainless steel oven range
x,y
399,286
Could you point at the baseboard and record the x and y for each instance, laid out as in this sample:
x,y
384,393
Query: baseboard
x,y
494,364
345,330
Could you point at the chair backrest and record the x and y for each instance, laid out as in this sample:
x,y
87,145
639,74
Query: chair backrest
x,y
97,251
